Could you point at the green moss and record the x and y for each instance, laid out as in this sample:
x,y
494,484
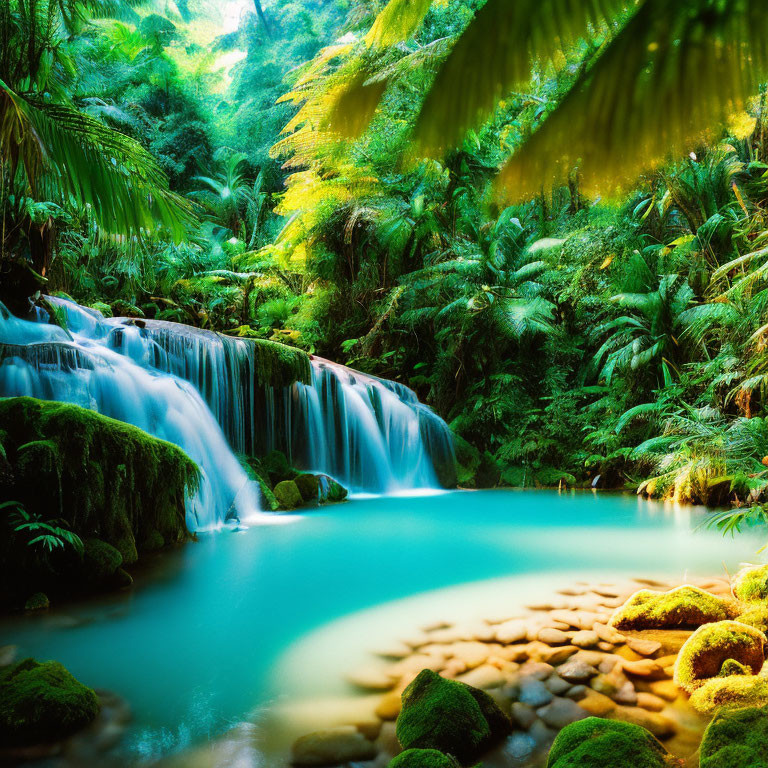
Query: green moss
x,y
308,487
597,743
105,479
709,647
151,541
449,716
755,616
276,467
733,692
122,308
733,667
750,585
100,560
41,703
288,495
736,739
37,602
423,758
682,607
277,365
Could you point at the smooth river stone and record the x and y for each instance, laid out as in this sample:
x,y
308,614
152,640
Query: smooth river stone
x,y
523,714
513,631
576,671
561,712
552,636
534,693
642,646
485,676
372,679
585,638
650,701
332,746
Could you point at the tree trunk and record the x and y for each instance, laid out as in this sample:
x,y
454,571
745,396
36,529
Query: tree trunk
x,y
262,17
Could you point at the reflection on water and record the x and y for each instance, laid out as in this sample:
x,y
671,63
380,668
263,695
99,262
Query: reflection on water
x,y
195,646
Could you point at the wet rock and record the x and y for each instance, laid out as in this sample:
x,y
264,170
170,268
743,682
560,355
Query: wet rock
x,y
596,704
538,669
524,715
557,685
533,692
557,655
37,602
576,671
521,746
730,693
423,758
577,692
332,746
561,712
649,701
288,495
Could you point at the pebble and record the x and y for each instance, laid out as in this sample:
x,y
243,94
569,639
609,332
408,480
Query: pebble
x,y
513,631
585,638
332,746
643,668
552,636
561,712
596,704
393,651
577,692
608,633
665,689
485,676
576,671
524,715
557,685
649,701
473,654
643,647
520,746
558,655
537,669
534,693
626,694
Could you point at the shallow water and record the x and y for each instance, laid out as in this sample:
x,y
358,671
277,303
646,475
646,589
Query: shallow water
x,y
211,632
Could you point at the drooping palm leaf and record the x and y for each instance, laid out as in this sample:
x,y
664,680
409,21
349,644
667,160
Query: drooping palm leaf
x,y
397,21
637,105
495,53
69,156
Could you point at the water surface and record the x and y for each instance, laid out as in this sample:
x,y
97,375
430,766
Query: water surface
x,y
194,646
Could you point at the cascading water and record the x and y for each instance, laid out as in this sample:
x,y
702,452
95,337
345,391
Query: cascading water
x,y
370,434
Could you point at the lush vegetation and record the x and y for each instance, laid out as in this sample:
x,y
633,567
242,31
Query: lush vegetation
x,y
326,177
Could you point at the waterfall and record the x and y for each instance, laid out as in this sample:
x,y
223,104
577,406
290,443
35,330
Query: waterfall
x,y
202,391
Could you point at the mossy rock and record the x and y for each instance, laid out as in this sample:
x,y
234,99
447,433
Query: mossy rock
x,y
736,739
449,716
288,495
103,478
684,606
277,468
756,616
122,308
750,585
731,692
42,703
100,560
732,667
598,743
705,652
37,602
423,758
330,491
152,541
308,486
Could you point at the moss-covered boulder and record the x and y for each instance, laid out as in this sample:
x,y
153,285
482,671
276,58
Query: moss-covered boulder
x,y
736,739
37,602
100,560
684,606
308,486
93,476
42,703
449,716
330,492
730,692
707,650
750,585
756,615
288,495
276,468
598,743
423,758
